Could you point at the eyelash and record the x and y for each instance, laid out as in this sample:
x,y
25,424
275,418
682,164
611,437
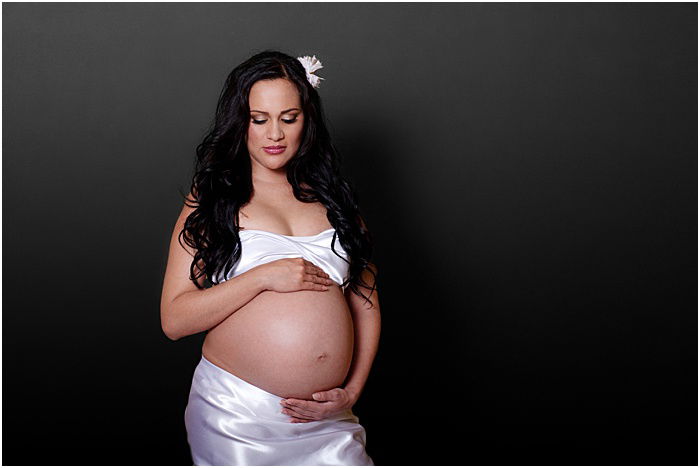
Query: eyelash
x,y
260,122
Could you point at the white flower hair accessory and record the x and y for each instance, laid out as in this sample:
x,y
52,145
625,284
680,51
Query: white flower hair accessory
x,y
311,64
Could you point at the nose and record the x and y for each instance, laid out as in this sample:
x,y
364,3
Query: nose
x,y
276,132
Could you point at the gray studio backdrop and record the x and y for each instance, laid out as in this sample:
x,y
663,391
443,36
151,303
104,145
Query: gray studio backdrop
x,y
528,171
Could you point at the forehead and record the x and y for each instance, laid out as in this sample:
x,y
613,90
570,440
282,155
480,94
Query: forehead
x,y
273,95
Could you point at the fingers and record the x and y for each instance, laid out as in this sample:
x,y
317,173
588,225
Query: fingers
x,y
296,417
300,411
317,279
303,408
314,270
321,279
297,414
315,285
311,267
299,420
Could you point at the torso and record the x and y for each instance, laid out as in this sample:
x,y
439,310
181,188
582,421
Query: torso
x,y
289,344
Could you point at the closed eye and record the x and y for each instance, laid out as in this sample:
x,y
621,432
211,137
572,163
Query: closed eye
x,y
260,122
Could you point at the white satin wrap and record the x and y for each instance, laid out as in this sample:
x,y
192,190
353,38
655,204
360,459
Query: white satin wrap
x,y
232,422
258,247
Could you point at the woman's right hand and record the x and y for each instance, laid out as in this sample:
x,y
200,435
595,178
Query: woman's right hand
x,y
294,274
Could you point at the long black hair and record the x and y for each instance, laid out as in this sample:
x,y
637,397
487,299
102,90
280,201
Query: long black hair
x,y
222,181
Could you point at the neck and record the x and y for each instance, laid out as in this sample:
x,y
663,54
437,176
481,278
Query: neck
x,y
272,177
271,182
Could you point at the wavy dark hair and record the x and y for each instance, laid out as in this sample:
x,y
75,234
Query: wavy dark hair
x,y
222,181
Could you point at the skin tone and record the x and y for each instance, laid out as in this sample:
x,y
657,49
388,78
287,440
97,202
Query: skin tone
x,y
367,321
277,119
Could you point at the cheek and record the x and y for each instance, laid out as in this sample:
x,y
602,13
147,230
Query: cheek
x,y
298,132
253,133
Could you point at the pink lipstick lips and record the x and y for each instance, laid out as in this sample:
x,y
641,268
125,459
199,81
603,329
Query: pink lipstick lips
x,y
274,149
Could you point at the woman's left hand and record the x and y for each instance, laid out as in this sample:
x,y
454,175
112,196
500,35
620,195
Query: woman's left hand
x,y
324,404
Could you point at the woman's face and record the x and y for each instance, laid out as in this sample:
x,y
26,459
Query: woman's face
x,y
276,119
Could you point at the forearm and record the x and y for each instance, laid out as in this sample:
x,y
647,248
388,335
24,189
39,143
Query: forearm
x,y
367,323
198,311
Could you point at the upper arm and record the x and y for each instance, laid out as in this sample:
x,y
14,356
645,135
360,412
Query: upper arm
x,y
177,272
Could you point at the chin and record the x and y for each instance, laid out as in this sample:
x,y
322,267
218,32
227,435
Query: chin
x,y
276,164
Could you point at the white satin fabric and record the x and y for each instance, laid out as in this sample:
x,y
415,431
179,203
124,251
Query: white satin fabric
x,y
258,247
232,422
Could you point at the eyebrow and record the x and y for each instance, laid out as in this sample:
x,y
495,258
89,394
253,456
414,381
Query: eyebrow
x,y
283,112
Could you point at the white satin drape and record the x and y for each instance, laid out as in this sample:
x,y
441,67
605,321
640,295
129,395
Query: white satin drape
x,y
232,422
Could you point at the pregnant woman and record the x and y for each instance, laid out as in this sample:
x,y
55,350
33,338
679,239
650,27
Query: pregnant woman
x,y
291,311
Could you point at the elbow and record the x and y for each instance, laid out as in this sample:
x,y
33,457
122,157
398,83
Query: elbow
x,y
168,326
171,335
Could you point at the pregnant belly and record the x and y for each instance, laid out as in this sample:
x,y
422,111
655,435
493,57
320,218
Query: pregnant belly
x,y
289,344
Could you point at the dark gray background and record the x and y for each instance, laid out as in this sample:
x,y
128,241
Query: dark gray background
x,y
529,172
